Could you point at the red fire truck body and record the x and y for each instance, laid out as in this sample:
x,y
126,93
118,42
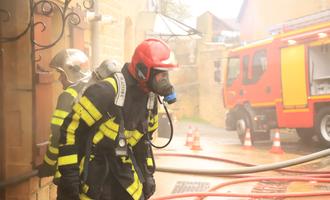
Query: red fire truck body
x,y
284,82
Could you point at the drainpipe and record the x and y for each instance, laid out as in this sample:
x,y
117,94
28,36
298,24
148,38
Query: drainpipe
x,y
95,36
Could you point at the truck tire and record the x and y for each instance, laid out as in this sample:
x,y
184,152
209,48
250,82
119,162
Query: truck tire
x,y
306,135
322,126
242,124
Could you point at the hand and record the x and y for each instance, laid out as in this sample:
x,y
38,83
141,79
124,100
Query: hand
x,y
45,170
149,187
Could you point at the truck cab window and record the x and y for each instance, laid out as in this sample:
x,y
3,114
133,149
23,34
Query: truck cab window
x,y
246,78
217,71
259,65
233,70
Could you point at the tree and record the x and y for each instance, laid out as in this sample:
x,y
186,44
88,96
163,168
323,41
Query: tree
x,y
176,9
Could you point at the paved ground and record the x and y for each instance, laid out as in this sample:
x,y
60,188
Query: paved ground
x,y
289,139
217,142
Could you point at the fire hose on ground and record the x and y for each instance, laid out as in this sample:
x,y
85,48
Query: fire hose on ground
x,y
211,193
251,195
313,176
235,162
287,178
245,170
250,169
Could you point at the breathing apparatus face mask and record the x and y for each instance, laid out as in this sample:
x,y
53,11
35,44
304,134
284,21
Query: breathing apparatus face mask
x,y
160,84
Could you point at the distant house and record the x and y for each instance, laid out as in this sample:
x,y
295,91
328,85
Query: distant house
x,y
218,30
257,17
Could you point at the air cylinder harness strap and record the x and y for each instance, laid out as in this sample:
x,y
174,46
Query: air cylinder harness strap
x,y
121,148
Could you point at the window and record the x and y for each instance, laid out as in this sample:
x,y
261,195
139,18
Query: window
x,y
246,79
259,65
233,70
217,71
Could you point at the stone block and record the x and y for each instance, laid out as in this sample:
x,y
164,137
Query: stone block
x,y
34,184
46,181
18,190
52,192
33,196
43,193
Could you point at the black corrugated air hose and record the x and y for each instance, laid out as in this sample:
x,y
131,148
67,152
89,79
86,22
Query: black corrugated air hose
x,y
171,126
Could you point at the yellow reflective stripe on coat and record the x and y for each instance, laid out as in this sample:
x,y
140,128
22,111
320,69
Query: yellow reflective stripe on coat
x,y
90,108
111,124
83,196
81,165
82,161
109,129
70,136
57,121
53,150
108,132
112,82
135,189
49,161
72,92
57,174
85,188
153,123
150,163
60,113
133,137
67,160
98,137
83,114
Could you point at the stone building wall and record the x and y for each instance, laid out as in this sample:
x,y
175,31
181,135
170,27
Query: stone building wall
x,y
21,85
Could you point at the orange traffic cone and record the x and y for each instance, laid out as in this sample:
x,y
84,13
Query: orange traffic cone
x,y
276,148
247,140
196,142
189,137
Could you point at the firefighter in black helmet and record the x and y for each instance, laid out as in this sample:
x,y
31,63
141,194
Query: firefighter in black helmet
x,y
119,158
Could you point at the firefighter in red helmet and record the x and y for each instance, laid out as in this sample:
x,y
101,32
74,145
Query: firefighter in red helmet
x,y
104,148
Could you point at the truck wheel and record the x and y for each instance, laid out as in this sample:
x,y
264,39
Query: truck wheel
x,y
242,124
306,135
322,126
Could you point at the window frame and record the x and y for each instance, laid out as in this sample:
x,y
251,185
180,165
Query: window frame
x,y
246,69
256,73
229,81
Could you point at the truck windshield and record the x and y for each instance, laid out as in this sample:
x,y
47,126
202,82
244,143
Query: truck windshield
x,y
233,70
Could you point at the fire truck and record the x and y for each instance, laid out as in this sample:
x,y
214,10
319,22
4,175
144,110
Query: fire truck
x,y
281,82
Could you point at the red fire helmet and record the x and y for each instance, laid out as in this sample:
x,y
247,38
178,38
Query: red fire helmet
x,y
151,54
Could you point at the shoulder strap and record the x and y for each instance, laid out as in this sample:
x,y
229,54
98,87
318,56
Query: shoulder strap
x,y
119,102
121,86
89,143
151,101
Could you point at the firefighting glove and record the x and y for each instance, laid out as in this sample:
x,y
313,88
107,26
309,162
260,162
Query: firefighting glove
x,y
70,186
149,187
45,170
